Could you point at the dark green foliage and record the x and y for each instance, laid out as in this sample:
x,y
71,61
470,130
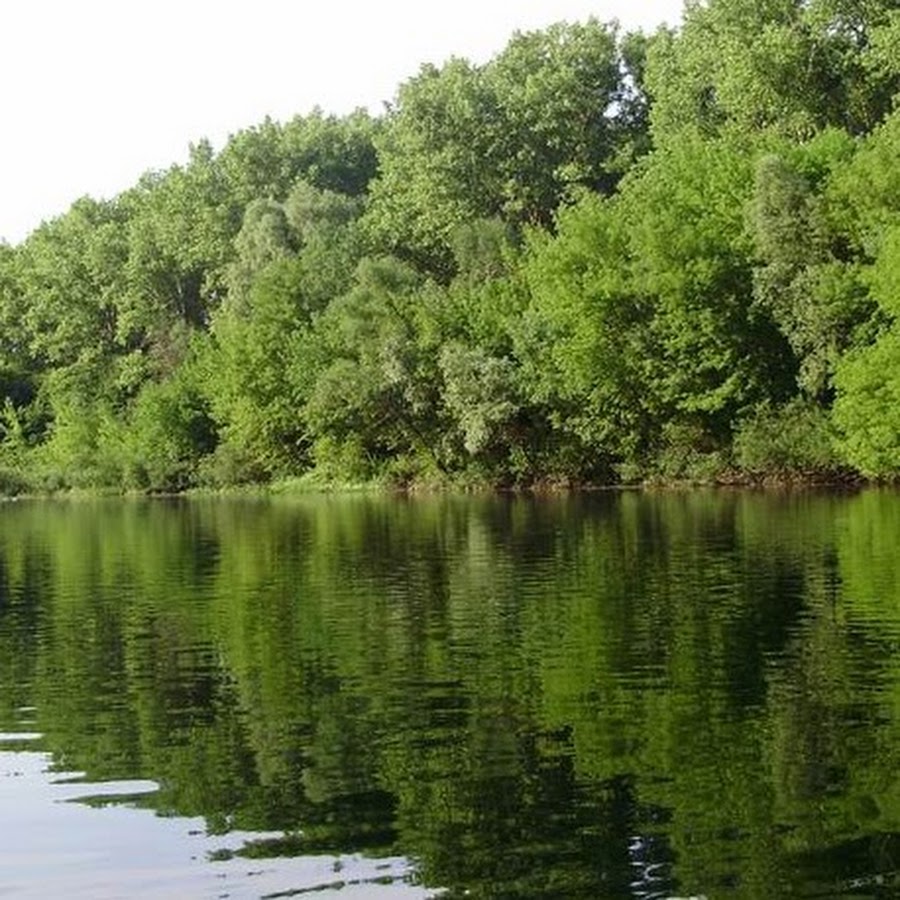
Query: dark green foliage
x,y
12,482
796,439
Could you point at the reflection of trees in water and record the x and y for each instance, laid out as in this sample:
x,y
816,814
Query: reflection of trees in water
x,y
549,697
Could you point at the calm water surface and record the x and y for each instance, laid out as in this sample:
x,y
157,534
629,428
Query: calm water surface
x,y
603,696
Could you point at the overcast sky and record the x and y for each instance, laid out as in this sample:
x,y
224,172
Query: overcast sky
x,y
96,92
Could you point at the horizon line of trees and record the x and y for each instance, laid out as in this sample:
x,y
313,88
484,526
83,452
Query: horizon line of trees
x,y
599,256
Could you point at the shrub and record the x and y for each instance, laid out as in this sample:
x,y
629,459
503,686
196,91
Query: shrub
x,y
797,438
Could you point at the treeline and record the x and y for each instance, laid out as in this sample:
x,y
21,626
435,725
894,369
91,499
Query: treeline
x,y
597,257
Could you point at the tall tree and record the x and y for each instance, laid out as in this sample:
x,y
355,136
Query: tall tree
x,y
376,399
796,67
805,278
868,386
292,260
331,152
181,227
513,138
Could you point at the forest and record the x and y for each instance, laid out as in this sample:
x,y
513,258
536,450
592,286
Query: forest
x,y
599,257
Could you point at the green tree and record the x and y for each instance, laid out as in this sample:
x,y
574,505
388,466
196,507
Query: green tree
x,y
376,399
66,282
326,224
805,279
292,260
330,152
169,431
868,396
512,138
18,374
256,373
181,226
579,340
868,194
67,276
642,337
794,67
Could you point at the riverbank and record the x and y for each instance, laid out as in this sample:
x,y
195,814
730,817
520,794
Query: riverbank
x,y
315,483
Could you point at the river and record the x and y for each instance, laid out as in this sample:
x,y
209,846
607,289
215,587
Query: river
x,y
606,695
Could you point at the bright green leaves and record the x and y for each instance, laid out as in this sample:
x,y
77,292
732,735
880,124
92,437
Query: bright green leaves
x,y
252,374
866,192
180,229
66,278
884,276
553,90
802,279
434,173
640,324
329,239
792,67
292,260
332,153
867,408
867,382
575,340
512,138
170,429
377,394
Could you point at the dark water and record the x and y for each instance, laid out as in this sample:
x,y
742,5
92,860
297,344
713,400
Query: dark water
x,y
601,696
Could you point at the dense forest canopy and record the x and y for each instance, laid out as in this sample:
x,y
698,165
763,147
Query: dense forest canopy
x,y
596,257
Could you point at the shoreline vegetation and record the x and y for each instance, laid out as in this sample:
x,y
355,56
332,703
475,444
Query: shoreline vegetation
x,y
309,484
598,259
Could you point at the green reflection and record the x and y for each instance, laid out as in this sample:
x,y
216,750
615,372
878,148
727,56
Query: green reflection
x,y
599,695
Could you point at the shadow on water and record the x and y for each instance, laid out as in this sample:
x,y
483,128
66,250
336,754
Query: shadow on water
x,y
612,695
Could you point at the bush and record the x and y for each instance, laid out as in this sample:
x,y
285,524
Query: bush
x,y
686,452
170,431
867,408
13,483
797,439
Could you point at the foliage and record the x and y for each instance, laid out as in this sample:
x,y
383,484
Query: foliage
x,y
803,279
512,138
592,257
170,429
332,153
794,440
292,259
794,67
377,392
639,325
867,409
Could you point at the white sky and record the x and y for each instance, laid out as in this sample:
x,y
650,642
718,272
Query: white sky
x,y
96,92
